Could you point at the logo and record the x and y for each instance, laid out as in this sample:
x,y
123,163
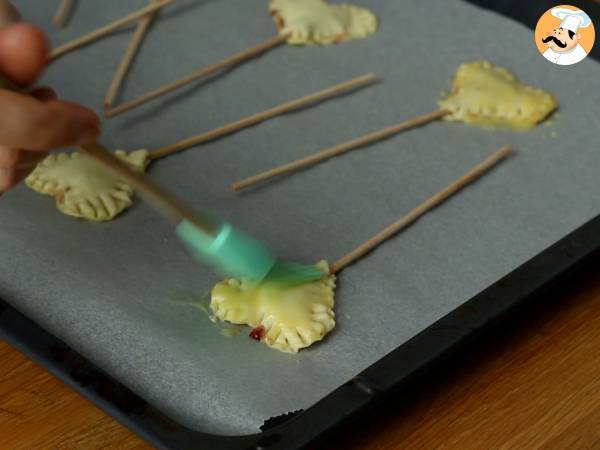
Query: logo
x,y
565,35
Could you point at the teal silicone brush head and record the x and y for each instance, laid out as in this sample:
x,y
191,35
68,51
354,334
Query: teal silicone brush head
x,y
230,252
237,255
293,273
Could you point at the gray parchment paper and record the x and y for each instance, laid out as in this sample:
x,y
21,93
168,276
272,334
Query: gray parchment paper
x,y
108,289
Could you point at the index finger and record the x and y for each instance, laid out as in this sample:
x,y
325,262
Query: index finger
x,y
29,123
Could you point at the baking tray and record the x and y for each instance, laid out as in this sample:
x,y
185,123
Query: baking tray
x,y
421,345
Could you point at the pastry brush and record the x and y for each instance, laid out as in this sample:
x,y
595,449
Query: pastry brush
x,y
212,241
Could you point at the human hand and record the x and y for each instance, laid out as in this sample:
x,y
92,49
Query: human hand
x,y
31,125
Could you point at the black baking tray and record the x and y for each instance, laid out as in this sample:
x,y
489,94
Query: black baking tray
x,y
399,372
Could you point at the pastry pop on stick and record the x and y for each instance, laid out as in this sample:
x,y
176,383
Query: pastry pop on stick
x,y
306,22
289,317
63,12
299,22
284,316
84,190
490,96
107,29
482,94
129,55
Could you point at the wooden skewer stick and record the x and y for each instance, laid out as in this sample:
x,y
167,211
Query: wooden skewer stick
x,y
338,149
422,209
60,18
205,71
265,115
132,49
107,29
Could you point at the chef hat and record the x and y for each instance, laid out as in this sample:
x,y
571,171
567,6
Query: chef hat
x,y
572,19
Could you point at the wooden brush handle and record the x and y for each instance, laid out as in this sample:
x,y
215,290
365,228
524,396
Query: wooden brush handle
x,y
155,194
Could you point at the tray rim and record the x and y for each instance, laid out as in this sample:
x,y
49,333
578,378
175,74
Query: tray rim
x,y
397,372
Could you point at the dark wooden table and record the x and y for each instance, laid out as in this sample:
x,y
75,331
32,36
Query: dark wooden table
x,y
534,384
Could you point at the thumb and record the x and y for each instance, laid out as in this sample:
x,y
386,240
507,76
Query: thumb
x,y
23,53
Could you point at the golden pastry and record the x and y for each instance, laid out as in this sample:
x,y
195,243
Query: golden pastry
x,y
84,189
317,22
490,96
287,318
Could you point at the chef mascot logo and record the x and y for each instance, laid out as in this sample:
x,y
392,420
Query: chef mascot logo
x,y
565,35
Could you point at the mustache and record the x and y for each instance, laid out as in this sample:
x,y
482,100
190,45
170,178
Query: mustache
x,y
556,41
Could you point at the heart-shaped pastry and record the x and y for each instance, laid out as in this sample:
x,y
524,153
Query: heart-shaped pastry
x,y
490,96
82,187
317,22
285,317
